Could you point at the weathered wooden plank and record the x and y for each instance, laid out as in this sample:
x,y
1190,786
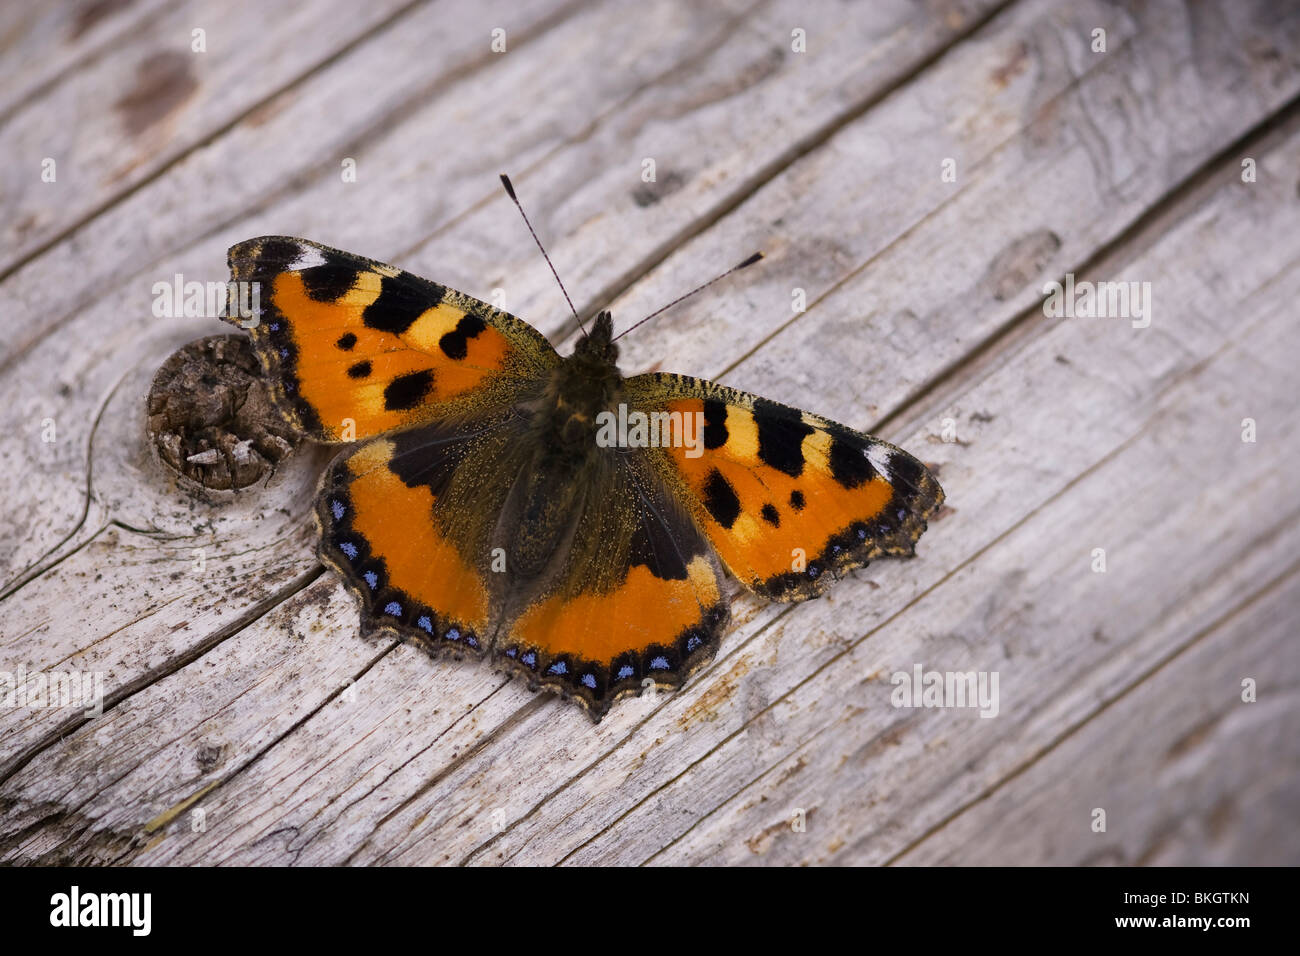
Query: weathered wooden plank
x,y
455,809
1188,773
528,722
1065,640
734,724
131,476
973,107
118,119
43,44
473,831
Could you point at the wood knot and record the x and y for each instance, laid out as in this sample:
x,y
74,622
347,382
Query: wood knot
x,y
208,756
211,416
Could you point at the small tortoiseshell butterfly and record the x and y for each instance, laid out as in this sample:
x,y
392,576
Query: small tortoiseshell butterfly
x,y
484,507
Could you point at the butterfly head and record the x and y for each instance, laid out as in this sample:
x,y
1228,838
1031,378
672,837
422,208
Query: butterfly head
x,y
582,386
597,346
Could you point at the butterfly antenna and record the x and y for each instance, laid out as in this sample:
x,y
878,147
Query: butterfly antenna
x,y
748,262
510,191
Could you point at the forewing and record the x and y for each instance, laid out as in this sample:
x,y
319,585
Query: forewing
x,y
354,347
789,500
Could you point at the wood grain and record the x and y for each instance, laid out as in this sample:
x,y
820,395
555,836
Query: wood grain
x,y
248,723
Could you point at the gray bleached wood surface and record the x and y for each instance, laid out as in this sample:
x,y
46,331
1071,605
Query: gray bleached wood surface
x,y
243,697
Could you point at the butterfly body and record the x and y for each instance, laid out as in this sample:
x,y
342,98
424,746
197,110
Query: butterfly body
x,y
482,507
564,457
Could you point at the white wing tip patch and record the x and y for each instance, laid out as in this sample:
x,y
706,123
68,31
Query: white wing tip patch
x,y
879,455
309,257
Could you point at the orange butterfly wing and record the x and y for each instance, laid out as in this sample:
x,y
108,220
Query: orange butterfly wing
x,y
637,599
789,501
354,347
408,520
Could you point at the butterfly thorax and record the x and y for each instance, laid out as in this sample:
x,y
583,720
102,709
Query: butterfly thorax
x,y
581,387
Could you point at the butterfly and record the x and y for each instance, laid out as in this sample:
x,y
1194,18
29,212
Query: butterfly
x,y
573,525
